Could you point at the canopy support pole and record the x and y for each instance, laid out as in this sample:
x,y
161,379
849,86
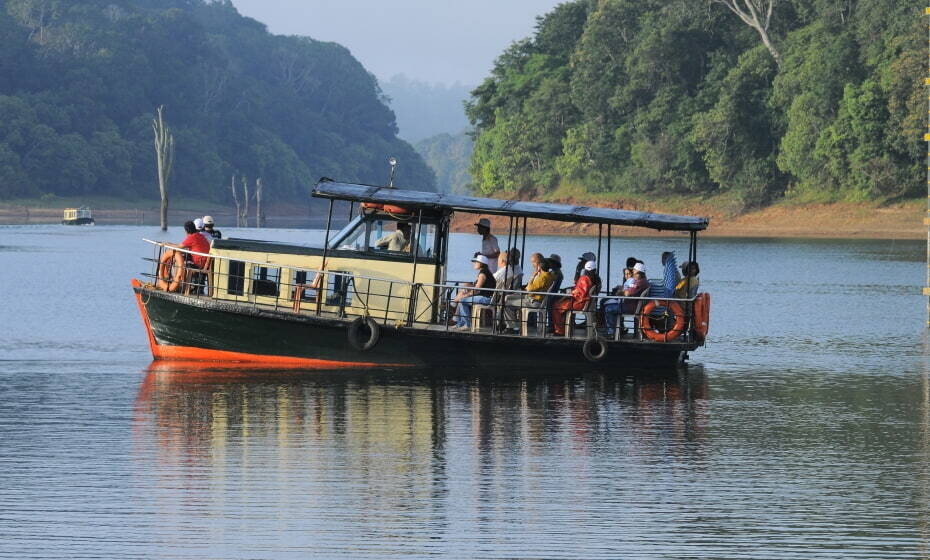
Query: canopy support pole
x,y
320,292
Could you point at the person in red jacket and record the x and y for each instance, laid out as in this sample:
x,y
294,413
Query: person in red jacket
x,y
194,241
581,295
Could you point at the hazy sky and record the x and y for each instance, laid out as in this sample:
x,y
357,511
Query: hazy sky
x,y
429,40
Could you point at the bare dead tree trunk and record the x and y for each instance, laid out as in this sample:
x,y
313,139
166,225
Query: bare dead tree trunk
x,y
244,215
259,215
232,186
758,15
164,159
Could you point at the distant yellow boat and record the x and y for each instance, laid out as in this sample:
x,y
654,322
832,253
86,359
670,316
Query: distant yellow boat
x,y
78,217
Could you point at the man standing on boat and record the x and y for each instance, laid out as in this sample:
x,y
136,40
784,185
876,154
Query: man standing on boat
x,y
489,246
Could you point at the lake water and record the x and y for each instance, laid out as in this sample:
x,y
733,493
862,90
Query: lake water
x,y
802,429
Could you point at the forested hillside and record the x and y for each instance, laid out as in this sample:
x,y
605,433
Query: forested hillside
x,y
80,81
669,97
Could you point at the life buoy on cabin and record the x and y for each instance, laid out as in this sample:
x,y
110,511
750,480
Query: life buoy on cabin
x,y
389,208
672,309
702,315
594,349
356,337
166,281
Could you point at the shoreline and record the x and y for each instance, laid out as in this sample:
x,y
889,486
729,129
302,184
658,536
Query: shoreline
x,y
818,221
824,221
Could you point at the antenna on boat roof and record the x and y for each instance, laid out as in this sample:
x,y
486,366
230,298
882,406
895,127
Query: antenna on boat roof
x,y
393,162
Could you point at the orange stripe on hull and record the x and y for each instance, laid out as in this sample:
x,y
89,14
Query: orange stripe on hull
x,y
190,353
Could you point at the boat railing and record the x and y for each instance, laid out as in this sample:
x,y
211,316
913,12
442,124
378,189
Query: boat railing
x,y
401,303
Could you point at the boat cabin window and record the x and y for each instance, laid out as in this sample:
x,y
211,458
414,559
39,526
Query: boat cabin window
x,y
339,288
307,284
235,280
353,237
380,234
426,240
265,281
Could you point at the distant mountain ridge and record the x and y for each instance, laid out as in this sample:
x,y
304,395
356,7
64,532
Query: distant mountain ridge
x,y
80,80
424,110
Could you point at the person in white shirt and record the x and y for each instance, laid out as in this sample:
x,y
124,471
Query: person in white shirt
x,y
508,269
398,240
489,246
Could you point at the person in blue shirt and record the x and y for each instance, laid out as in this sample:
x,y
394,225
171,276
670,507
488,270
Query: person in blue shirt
x,y
670,275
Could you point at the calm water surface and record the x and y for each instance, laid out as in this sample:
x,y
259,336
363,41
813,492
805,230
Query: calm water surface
x,y
802,430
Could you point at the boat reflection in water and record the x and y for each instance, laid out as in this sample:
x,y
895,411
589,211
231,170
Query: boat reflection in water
x,y
396,460
389,420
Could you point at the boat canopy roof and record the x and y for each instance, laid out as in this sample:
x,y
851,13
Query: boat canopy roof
x,y
493,206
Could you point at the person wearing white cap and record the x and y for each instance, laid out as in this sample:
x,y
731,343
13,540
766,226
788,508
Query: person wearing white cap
x,y
582,260
581,295
208,228
489,246
635,286
478,293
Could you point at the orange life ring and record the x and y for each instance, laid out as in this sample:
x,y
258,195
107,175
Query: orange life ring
x,y
389,208
673,308
702,315
166,281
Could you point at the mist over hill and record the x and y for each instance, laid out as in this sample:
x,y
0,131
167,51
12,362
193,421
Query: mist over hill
x,y
80,81
425,109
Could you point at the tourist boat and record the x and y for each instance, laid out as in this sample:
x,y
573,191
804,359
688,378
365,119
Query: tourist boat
x,y
78,217
349,304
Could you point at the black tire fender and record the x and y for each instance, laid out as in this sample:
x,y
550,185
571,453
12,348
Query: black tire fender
x,y
357,337
594,349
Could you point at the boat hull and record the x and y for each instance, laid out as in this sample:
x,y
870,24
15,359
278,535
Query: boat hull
x,y
191,328
78,222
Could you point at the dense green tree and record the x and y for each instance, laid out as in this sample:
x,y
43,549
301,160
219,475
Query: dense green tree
x,y
815,99
79,81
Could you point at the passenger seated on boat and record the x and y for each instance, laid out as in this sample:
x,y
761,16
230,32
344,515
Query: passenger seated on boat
x,y
509,274
581,295
555,266
479,293
688,286
635,286
611,307
582,260
398,240
670,276
540,283
193,242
